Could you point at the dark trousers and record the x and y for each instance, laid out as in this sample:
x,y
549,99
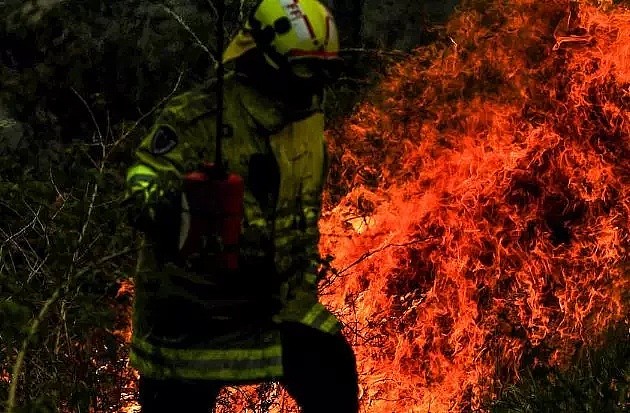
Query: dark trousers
x,y
319,373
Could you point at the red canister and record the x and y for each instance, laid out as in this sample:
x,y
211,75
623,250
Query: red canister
x,y
215,204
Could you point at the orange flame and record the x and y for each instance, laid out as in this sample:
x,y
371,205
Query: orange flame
x,y
479,210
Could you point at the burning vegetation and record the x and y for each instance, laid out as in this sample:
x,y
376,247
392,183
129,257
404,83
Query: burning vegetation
x,y
479,207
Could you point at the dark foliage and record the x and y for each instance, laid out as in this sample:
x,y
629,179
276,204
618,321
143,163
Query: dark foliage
x,y
599,381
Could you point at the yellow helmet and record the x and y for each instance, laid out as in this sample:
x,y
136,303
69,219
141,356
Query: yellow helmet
x,y
300,33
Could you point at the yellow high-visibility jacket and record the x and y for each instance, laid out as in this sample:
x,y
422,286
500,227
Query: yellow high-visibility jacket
x,y
198,325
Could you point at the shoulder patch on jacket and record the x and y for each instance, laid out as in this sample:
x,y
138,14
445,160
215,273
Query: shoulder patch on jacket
x,y
163,141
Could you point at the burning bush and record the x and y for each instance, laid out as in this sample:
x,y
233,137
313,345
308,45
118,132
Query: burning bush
x,y
478,209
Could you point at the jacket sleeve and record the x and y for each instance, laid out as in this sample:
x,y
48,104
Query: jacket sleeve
x,y
314,263
171,149
301,247
302,303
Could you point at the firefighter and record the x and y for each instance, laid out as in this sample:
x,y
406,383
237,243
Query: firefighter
x,y
198,323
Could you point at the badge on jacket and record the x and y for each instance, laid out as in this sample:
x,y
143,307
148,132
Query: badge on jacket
x,y
164,140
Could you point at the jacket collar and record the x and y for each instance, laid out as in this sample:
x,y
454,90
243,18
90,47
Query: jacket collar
x,y
268,113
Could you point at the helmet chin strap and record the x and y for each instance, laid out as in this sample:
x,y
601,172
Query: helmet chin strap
x,y
295,93
298,93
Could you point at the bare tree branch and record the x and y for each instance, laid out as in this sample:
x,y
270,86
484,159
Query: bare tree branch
x,y
43,312
212,53
133,127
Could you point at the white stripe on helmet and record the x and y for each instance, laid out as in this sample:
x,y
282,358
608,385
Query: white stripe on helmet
x,y
298,19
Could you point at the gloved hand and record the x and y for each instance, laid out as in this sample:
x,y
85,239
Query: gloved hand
x,y
157,213
297,295
141,207
295,306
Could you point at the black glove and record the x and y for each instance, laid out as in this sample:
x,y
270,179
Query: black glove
x,y
157,213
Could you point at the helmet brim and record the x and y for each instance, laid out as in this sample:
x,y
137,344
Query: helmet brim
x,y
240,44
